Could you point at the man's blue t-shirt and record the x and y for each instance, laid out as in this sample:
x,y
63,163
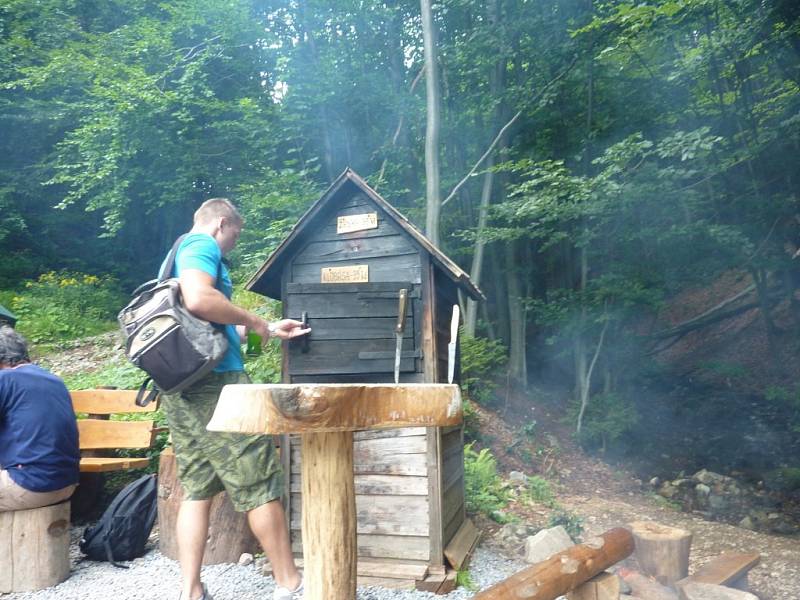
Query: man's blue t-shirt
x,y
200,251
38,431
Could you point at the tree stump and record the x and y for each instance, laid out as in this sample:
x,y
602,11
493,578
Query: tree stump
x,y
661,551
34,548
229,533
605,586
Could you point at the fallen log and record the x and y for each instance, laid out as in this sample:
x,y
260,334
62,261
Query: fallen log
x,y
564,571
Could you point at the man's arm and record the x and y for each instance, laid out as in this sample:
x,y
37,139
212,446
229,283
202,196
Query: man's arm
x,y
203,300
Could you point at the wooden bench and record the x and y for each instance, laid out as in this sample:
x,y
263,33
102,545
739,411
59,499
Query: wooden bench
x,y
98,432
729,569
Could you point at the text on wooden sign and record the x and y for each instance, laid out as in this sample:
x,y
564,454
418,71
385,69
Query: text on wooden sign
x,y
350,223
349,274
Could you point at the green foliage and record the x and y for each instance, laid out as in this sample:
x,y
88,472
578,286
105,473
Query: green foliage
x,y
788,401
572,523
785,479
484,489
464,579
538,490
119,374
607,417
481,360
64,306
471,421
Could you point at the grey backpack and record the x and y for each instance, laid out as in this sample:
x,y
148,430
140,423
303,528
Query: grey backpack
x,y
165,340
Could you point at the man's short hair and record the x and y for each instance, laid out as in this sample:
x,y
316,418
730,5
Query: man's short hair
x,y
217,207
13,347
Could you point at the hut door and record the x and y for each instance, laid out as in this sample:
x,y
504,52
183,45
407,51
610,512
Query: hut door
x,y
352,331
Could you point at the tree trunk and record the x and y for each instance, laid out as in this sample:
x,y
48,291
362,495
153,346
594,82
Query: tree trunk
x,y
433,94
229,534
516,310
34,548
662,552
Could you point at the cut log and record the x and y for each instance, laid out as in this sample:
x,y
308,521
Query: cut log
x,y
461,546
566,570
645,587
728,569
604,586
34,548
229,535
300,408
662,552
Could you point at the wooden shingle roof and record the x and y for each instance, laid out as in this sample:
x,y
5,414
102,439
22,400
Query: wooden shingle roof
x,y
267,280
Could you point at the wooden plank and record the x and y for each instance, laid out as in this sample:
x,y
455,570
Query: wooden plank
x,y
383,515
345,356
356,377
389,485
354,249
374,434
452,505
726,568
401,547
96,434
107,402
364,291
373,328
388,569
604,586
461,546
414,465
385,582
390,268
96,464
280,408
341,302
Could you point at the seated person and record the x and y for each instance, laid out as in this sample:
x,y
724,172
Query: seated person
x,y
39,456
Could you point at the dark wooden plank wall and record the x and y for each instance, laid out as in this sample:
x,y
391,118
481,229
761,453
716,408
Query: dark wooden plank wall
x,y
391,486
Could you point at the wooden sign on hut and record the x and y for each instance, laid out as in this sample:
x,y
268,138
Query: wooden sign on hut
x,y
369,284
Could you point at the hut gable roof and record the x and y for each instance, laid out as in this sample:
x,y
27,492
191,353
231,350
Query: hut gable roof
x,y
267,280
7,316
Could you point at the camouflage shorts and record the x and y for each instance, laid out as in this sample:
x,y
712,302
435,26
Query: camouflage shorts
x,y
246,466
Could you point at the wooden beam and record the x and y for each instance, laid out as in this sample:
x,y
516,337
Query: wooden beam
x,y
108,402
461,546
564,571
97,464
329,516
95,434
728,569
302,408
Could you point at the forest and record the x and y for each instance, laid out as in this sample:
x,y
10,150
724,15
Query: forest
x,y
595,166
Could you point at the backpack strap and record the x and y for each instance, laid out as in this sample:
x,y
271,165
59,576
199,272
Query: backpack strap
x,y
170,263
110,555
141,398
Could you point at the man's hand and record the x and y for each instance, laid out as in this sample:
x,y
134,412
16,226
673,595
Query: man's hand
x,y
287,329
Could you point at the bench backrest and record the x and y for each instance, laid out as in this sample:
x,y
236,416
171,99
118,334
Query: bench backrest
x,y
98,432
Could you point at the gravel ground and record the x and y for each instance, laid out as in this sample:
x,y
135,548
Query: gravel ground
x,y
154,576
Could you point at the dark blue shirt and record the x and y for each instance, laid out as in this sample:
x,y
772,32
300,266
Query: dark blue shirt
x,y
38,431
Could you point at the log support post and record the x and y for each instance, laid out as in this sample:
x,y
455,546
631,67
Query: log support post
x,y
329,515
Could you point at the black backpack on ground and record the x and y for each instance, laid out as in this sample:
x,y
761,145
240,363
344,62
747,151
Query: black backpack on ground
x,y
123,530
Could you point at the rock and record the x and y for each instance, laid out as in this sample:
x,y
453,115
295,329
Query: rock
x,y
747,523
655,482
260,563
517,477
546,543
245,559
709,477
702,489
707,591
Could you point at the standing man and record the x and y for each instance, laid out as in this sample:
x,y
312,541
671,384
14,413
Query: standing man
x,y
39,455
246,466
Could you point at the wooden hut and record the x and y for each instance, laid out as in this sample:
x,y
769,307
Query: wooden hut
x,y
342,268
7,317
